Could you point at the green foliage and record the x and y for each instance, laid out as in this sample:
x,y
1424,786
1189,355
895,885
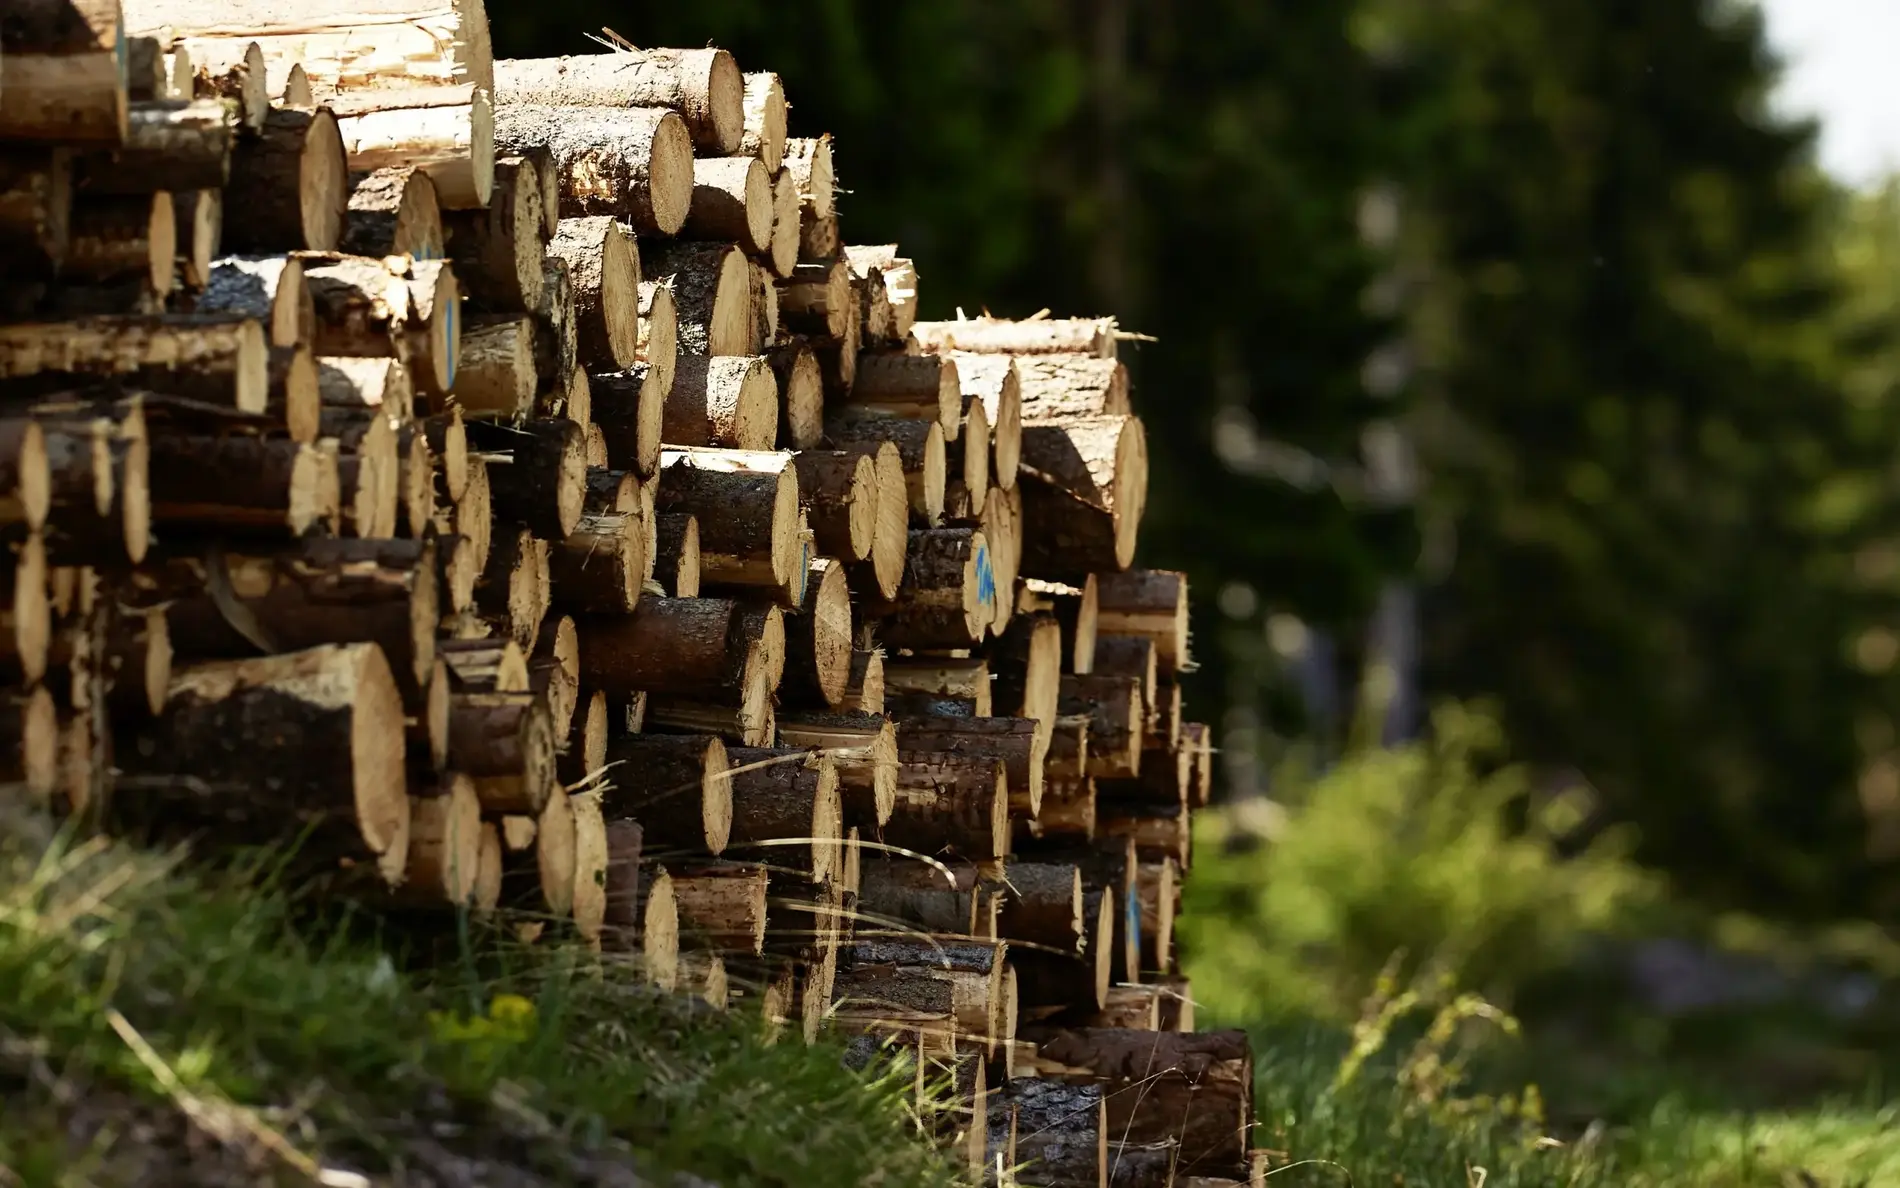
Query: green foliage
x,y
124,982
1412,850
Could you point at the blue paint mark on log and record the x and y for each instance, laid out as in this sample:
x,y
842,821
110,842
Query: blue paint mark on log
x,y
1131,919
985,578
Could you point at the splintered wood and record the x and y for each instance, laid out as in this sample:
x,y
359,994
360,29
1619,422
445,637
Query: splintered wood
x,y
504,482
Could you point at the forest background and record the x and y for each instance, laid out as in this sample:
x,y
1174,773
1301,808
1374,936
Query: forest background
x,y
1513,359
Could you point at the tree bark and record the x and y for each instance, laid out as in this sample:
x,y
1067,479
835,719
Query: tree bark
x,y
514,589
1014,741
922,387
630,409
394,212
1061,1132
256,486
171,145
920,452
747,507
498,250
704,86
1197,1089
1031,336
1113,706
681,646
677,565
818,299
446,131
218,360
543,482
506,743
950,804
498,378
722,905
948,594
1151,603
1067,387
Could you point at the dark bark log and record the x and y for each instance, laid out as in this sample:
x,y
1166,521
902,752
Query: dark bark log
x,y
292,183
787,795
1113,706
394,212
949,804
543,483
711,285
863,747
506,743
498,249
676,786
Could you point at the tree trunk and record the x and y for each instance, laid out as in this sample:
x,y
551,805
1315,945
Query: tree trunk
x,y
131,239
808,159
1014,741
1195,1089
599,568
840,489
681,646
818,299
36,201
764,135
630,409
633,163
818,637
1031,336
218,360
269,289
918,387
1068,387
704,86
723,401
543,482
498,378
659,340
677,565
514,589
1152,603
1158,832
257,486
732,202
606,275
786,225
1061,1132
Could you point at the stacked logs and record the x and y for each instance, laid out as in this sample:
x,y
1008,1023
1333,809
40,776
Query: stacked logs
x,y
500,481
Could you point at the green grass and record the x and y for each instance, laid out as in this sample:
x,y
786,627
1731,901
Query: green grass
x,y
151,1018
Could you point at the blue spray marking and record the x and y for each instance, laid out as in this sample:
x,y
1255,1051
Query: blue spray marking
x,y
985,577
1131,920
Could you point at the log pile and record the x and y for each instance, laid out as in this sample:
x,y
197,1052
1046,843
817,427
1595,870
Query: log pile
x,y
501,479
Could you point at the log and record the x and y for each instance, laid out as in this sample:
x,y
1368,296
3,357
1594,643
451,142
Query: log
x,y
1082,508
620,921
801,396
864,688
659,339
764,317
98,501
1156,889
367,476
506,743
920,452
542,482
633,163
26,473
808,160
1002,524
740,712
1128,656
448,443
676,786
1133,1008
234,70
1158,831
747,506
606,276
199,235
267,289
890,538
65,76
1113,707
712,294
1152,603
950,804
657,941
1197,1089
786,809
1199,738
1176,1004
863,747
361,307
36,199
818,637
1062,1132
514,588
139,653
600,566
431,346
818,299
307,744
26,628
1042,905
292,182
940,678
677,563
967,465
540,880
1027,661
1031,336
556,340
365,385
394,211
445,845
786,225
630,409
386,44
170,144
319,592
765,108
704,86
485,665
1067,387
446,131
1164,728
842,493
497,377
726,401
554,670
29,757
592,857
1162,784
874,300
1075,608
948,594
680,646
907,975
916,387
267,487
1068,801
915,896
486,896
218,360
1015,741
498,249
722,905
732,202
